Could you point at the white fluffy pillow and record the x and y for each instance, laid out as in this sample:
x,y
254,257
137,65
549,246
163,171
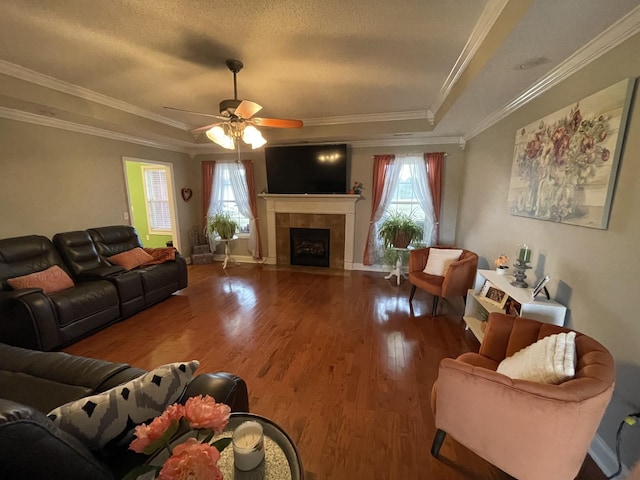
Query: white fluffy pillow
x,y
550,360
110,417
439,260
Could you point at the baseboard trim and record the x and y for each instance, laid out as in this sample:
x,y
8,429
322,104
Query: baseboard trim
x,y
605,458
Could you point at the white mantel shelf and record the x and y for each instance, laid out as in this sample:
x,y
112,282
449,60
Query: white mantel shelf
x,y
328,204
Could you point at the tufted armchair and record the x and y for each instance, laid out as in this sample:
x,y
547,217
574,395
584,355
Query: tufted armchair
x,y
532,431
457,281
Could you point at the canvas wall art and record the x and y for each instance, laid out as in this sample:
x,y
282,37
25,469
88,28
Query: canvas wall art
x,y
565,164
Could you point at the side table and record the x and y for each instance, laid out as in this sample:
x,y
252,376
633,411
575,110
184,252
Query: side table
x,y
281,458
397,271
227,252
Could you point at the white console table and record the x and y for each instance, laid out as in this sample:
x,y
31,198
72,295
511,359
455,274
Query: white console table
x,y
478,308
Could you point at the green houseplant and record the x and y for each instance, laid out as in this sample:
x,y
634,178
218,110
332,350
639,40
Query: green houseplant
x,y
222,224
399,229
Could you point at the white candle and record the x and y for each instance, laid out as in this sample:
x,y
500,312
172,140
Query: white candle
x,y
248,445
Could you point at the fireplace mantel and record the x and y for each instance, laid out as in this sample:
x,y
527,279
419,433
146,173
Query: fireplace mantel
x,y
312,204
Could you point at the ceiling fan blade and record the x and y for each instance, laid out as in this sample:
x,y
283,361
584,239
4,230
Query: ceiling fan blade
x,y
277,122
196,113
205,128
247,109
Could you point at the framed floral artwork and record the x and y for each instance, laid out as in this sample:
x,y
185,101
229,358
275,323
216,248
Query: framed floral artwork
x,y
565,164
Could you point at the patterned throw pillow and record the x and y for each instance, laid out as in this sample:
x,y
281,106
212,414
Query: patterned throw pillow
x,y
131,258
51,280
109,418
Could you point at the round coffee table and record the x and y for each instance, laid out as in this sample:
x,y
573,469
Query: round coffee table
x,y
281,458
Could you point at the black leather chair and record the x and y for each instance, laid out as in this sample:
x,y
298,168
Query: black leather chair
x,y
33,383
32,319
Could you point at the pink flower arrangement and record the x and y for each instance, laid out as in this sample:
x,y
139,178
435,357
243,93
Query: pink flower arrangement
x,y
195,457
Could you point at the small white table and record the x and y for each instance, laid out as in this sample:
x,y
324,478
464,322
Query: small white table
x,y
397,271
227,254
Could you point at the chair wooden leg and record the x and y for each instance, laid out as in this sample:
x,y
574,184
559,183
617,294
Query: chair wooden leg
x,y
435,306
438,439
413,291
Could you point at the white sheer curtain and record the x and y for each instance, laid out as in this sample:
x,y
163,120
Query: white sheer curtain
x,y
420,183
391,180
421,190
235,173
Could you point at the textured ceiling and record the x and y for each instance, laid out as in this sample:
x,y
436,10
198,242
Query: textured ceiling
x,y
326,62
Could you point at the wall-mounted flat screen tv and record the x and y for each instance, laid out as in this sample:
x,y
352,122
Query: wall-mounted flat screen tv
x,y
307,169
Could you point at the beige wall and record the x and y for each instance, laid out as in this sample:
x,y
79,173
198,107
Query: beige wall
x,y
54,181
362,170
594,272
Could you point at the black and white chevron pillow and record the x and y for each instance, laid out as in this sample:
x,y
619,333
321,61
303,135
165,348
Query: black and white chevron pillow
x,y
109,418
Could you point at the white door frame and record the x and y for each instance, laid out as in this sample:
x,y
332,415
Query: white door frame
x,y
173,202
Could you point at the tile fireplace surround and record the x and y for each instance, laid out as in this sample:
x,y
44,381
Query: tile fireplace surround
x,y
336,212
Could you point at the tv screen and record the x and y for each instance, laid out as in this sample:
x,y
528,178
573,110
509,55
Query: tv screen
x,y
307,169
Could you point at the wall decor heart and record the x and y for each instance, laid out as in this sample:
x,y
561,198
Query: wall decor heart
x,y
186,194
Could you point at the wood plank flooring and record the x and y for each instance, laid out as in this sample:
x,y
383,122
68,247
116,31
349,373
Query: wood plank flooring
x,y
338,359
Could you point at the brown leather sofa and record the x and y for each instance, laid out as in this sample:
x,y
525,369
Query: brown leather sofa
x,y
101,295
32,383
532,431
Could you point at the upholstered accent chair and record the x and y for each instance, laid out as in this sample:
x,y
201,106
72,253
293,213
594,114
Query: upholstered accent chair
x,y
456,281
532,431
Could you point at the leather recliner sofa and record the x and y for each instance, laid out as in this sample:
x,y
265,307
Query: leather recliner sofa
x,y
33,383
101,295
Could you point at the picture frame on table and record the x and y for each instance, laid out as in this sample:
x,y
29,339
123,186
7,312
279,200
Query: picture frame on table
x,y
541,286
512,307
493,295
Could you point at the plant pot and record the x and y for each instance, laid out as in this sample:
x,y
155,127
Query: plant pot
x,y
401,240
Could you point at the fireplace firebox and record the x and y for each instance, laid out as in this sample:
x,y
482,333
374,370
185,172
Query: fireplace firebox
x,y
310,246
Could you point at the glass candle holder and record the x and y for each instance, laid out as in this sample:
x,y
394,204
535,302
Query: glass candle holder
x,y
524,253
248,445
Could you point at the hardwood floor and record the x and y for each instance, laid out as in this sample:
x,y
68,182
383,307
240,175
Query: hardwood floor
x,y
338,359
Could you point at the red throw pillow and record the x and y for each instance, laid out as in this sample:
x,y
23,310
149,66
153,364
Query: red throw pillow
x,y
131,258
161,254
51,280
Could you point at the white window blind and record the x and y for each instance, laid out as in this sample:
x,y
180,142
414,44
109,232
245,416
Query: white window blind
x,y
157,199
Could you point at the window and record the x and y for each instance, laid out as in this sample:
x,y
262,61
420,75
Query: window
x,y
157,200
226,198
404,198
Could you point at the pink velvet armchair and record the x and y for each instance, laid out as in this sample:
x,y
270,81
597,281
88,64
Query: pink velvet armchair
x,y
456,282
532,431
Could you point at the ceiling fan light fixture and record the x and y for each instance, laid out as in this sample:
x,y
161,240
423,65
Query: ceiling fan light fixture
x,y
251,135
217,134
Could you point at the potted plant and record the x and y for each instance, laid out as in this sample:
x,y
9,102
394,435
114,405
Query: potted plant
x,y
223,225
399,229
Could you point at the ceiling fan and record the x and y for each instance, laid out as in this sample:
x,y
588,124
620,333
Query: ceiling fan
x,y
237,119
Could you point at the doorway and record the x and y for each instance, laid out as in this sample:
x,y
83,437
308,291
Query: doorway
x,y
152,202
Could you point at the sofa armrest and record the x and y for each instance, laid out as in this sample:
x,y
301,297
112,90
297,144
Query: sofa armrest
x,y
31,446
100,273
183,279
29,320
459,278
224,387
418,259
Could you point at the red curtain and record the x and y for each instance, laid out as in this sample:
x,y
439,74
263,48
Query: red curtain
x,y
380,164
208,169
251,186
435,167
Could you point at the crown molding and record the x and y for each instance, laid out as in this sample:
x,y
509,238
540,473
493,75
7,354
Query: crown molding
x,y
369,118
622,30
487,19
397,142
53,83
21,116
